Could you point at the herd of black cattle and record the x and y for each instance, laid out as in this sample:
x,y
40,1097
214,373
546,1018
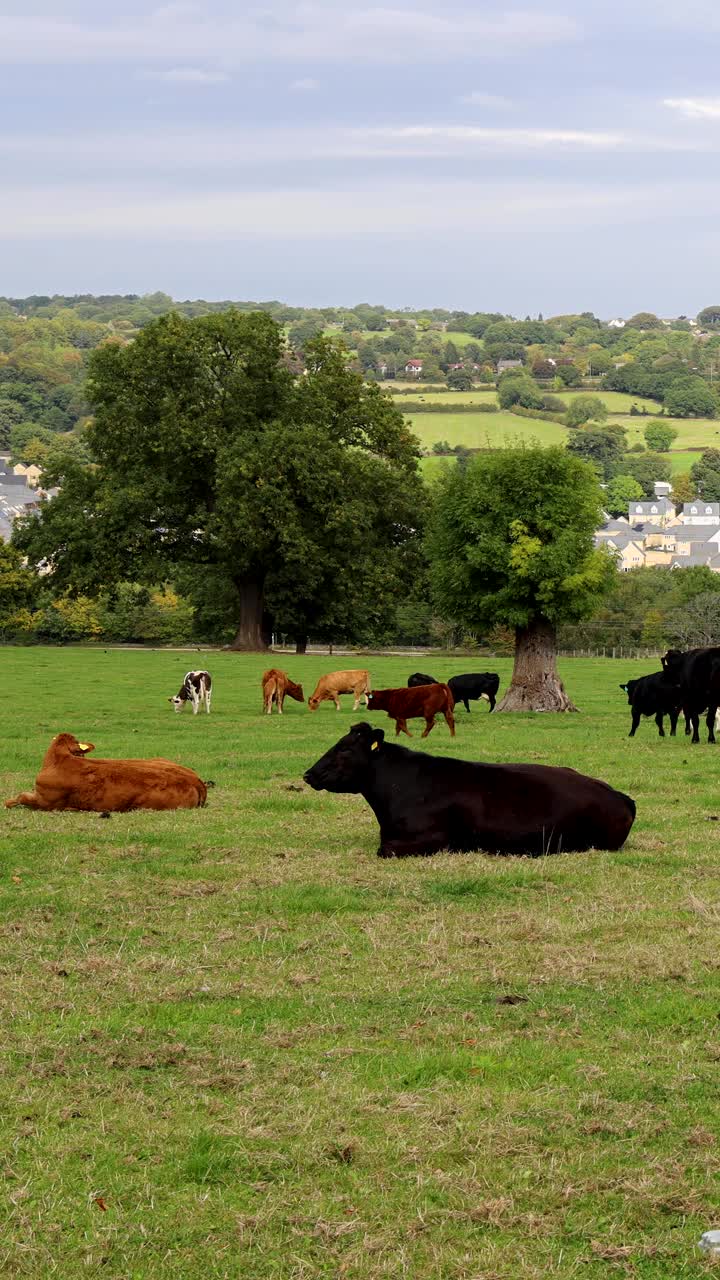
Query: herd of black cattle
x,y
688,683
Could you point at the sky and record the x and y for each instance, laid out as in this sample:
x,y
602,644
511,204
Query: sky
x,y
548,157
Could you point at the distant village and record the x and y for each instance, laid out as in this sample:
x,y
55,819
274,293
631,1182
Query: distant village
x,y
18,492
655,533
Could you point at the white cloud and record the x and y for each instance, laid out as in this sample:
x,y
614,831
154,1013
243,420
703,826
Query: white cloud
x,y
479,99
367,209
434,139
174,152
425,29
305,86
188,75
695,108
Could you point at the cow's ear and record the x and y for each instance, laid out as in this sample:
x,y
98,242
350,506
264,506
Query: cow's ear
x,y
624,688
378,736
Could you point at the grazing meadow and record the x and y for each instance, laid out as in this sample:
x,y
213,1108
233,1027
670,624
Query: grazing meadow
x,y
237,1044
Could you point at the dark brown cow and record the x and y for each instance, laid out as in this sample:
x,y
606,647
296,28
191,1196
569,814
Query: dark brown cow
x,y
423,702
68,781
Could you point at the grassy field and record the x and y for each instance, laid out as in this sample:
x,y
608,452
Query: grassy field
x,y
483,430
237,1044
478,395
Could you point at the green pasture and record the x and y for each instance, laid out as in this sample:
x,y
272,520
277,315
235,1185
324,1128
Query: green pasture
x,y
237,1044
478,395
483,430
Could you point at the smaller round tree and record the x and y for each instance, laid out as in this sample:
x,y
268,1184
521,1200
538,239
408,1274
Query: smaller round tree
x,y
585,409
621,491
511,544
659,435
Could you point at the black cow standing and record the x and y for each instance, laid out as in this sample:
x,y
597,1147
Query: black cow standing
x,y
426,803
471,687
697,672
467,688
654,695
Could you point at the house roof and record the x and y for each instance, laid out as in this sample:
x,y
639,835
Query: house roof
x,y
415,364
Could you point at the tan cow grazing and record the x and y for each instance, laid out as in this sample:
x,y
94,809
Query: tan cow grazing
x,y
276,686
424,701
329,686
68,781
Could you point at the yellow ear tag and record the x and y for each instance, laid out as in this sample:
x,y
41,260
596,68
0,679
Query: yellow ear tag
x,y
375,746
84,746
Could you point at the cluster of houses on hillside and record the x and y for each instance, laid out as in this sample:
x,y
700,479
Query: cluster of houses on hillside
x,y
655,534
414,367
18,493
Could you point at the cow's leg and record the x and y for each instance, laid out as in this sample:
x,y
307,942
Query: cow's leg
x,y
401,727
710,722
336,700
673,722
466,705
635,722
429,724
450,721
356,699
686,714
659,723
491,700
208,696
27,798
195,702
695,721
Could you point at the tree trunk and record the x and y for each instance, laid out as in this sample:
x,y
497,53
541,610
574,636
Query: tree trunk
x,y
535,684
301,644
253,633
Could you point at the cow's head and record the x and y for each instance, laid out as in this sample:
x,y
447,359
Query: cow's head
x,y
345,766
66,744
671,661
628,688
294,691
313,702
179,700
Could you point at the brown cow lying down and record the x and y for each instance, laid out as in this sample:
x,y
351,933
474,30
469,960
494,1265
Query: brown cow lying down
x,y
68,781
425,702
276,686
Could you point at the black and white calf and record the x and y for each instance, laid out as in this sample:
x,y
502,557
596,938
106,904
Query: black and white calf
x,y
196,688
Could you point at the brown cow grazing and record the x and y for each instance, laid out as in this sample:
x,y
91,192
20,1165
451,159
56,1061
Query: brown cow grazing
x,y
276,685
68,781
329,686
424,701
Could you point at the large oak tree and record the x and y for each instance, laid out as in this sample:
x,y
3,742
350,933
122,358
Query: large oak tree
x,y
295,499
511,543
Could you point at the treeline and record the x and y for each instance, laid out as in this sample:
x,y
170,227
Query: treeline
x,y
653,608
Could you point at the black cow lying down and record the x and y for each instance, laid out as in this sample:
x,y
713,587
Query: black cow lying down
x,y
426,803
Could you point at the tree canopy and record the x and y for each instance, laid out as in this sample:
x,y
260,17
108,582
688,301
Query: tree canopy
x,y
511,543
295,501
